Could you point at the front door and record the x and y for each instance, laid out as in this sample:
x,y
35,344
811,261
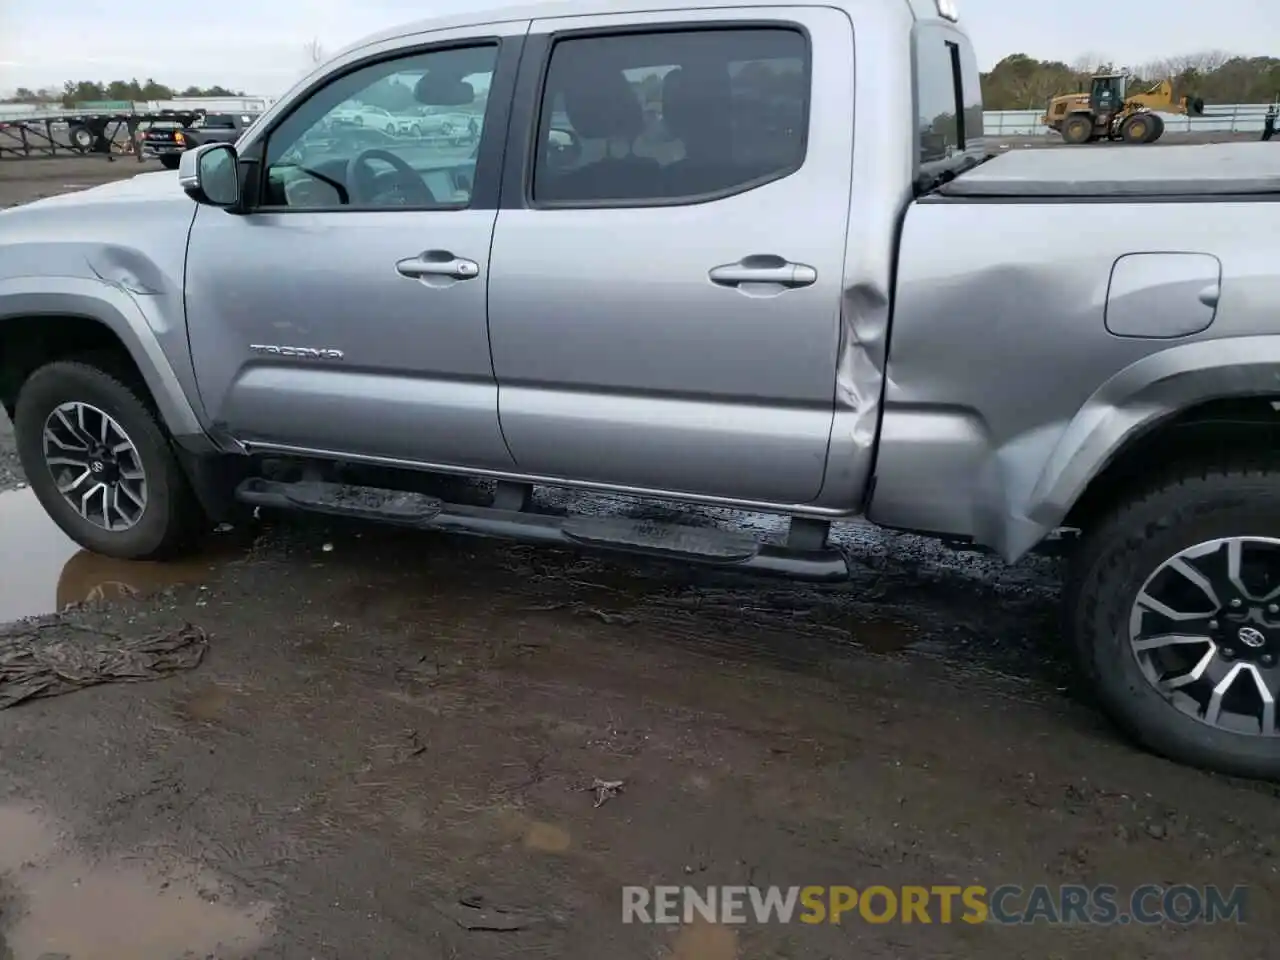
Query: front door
x,y
345,313
665,296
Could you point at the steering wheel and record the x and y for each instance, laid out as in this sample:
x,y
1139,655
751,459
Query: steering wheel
x,y
362,179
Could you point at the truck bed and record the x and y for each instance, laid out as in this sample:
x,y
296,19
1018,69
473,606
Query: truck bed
x,y
1200,170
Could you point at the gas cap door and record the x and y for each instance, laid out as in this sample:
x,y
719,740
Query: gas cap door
x,y
1163,295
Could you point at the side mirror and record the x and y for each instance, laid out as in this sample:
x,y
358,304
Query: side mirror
x,y
211,175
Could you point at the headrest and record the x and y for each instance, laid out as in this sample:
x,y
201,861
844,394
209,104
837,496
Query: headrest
x,y
600,101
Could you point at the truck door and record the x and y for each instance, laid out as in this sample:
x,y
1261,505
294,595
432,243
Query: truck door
x,y
345,312
665,287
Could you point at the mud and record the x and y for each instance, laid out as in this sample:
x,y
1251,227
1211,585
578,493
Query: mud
x,y
137,908
393,743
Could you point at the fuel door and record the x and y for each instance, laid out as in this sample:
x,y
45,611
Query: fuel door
x,y
1163,295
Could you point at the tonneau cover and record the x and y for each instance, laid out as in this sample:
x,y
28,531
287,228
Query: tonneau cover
x,y
1101,170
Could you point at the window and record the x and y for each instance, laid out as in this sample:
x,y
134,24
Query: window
x,y
939,100
401,133
671,117
971,85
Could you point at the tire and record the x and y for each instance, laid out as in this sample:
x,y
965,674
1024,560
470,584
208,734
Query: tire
x,y
1157,128
391,129
1077,128
1132,544
80,138
1137,128
170,161
171,517
415,131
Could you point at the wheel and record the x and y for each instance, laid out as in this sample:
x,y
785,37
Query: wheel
x,y
415,130
446,129
1174,610
80,138
1077,128
391,129
1157,128
1137,128
170,161
101,465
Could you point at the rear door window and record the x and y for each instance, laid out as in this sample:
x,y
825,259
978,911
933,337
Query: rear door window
x,y
671,117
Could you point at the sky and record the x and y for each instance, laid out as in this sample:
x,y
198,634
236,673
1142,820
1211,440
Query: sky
x,y
260,47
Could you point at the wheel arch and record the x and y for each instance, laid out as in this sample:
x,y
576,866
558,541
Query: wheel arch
x,y
1183,402
49,318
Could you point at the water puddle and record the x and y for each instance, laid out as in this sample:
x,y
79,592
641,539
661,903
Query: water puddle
x,y
41,571
62,904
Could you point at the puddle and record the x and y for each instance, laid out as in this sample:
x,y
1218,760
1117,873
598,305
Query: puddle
x,y
43,571
59,903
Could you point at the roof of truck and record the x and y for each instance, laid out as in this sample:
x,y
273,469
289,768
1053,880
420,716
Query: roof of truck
x,y
1211,169
498,11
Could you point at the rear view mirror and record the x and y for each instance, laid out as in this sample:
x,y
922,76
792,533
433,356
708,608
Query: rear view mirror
x,y
211,175
443,91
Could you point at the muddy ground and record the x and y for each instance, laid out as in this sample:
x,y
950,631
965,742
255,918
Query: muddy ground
x,y
391,739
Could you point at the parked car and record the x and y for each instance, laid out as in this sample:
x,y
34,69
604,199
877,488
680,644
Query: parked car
x,y
861,314
168,141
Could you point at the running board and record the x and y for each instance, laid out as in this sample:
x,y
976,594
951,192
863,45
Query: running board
x,y
670,540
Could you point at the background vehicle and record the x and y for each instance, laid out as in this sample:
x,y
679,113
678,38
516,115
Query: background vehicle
x,y
168,141
1112,110
1083,354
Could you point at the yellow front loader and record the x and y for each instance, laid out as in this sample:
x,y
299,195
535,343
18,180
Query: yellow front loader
x,y
1109,111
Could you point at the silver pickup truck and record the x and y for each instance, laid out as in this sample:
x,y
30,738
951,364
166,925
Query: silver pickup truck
x,y
752,255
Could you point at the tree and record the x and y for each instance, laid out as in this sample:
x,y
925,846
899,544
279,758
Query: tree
x,y
1019,82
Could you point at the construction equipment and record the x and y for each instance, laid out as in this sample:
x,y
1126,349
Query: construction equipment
x,y
1110,111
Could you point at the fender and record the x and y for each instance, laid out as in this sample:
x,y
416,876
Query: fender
x,y
116,309
1133,401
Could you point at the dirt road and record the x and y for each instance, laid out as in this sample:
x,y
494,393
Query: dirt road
x,y
389,744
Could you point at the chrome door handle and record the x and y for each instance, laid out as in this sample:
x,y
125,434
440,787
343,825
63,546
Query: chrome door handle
x,y
438,263
764,268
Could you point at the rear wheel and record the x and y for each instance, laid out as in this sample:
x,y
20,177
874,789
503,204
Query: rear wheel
x,y
80,137
1137,128
101,466
170,161
1174,607
1077,128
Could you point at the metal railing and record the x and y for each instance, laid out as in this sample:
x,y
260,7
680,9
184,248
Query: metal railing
x,y
1222,118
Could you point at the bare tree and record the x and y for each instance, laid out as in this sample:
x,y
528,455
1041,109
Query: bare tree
x,y
313,50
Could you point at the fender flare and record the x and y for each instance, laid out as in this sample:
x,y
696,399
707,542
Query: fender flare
x,y
1139,398
115,309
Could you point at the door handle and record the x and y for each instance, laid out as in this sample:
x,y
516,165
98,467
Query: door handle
x,y
764,268
438,263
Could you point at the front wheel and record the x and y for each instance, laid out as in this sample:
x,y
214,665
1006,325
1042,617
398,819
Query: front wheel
x,y
1174,607
101,466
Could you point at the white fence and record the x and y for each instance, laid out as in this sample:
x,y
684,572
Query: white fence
x,y
1222,118
1228,118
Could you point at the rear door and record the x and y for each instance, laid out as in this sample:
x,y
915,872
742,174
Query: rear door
x,y
664,297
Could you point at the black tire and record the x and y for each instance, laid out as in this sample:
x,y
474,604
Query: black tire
x,y
1157,128
172,518
1111,567
170,161
1077,128
1136,129
80,137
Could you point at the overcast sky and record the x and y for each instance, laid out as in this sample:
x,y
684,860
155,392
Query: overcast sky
x,y
258,45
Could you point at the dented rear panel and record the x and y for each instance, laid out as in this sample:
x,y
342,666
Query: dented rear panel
x,y
1031,340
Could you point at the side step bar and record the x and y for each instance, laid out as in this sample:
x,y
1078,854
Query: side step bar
x,y
720,548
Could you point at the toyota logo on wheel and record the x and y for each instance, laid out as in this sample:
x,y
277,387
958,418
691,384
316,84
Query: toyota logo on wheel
x,y
1251,637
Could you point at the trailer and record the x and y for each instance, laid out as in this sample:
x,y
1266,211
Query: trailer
x,y
71,133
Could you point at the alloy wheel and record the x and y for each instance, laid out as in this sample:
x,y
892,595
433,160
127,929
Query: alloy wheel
x,y
95,466
1205,630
